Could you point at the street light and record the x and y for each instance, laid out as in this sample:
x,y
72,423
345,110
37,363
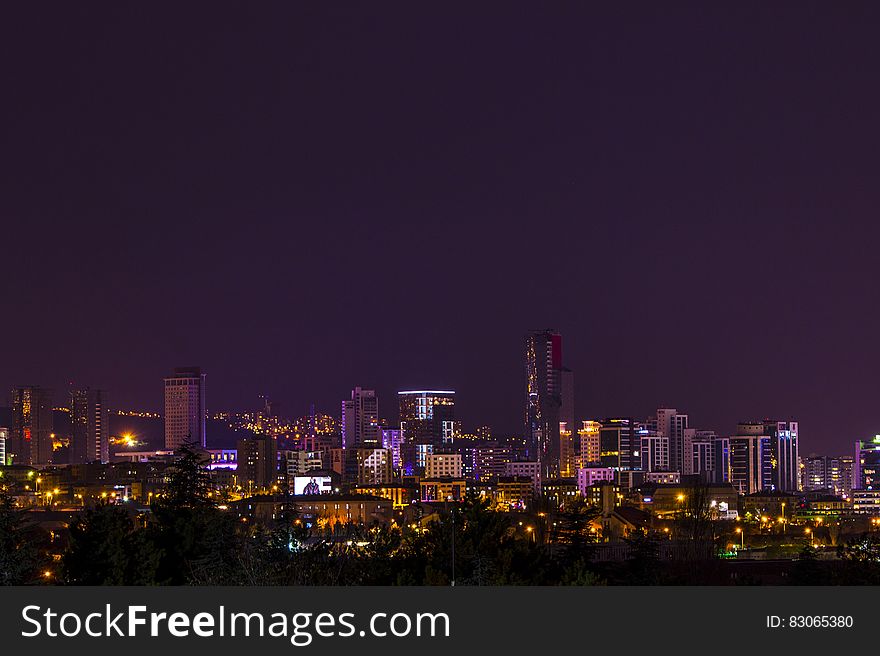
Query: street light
x,y
452,510
809,532
742,535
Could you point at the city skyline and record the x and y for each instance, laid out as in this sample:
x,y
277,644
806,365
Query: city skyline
x,y
301,207
669,428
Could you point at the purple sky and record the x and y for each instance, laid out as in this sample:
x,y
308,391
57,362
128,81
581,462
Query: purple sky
x,y
301,199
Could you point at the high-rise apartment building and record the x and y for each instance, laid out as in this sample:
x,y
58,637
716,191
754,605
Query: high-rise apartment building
x,y
751,459
185,410
620,445
360,420
784,447
671,426
30,442
721,472
427,424
90,426
654,450
588,438
490,461
373,466
257,463
701,444
4,436
866,465
816,474
842,475
391,441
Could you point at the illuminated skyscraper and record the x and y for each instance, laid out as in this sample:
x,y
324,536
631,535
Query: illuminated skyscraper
x,y
427,425
620,445
90,426
4,435
360,420
185,410
30,442
654,451
784,448
866,466
588,437
751,464
671,426
373,466
544,398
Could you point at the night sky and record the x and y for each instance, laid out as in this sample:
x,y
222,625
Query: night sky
x,y
303,198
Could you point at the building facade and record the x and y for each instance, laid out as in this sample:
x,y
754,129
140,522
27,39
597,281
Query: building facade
x,y
588,438
373,467
257,463
31,439
441,465
543,398
360,420
185,410
427,423
90,426
751,468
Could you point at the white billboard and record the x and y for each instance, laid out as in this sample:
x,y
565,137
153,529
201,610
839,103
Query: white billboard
x,y
312,485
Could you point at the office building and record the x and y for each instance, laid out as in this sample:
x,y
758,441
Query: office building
x,y
89,426
360,420
185,410
31,439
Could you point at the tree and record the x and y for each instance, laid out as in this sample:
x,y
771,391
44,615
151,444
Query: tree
x,y
643,563
189,484
108,548
807,570
21,560
200,544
